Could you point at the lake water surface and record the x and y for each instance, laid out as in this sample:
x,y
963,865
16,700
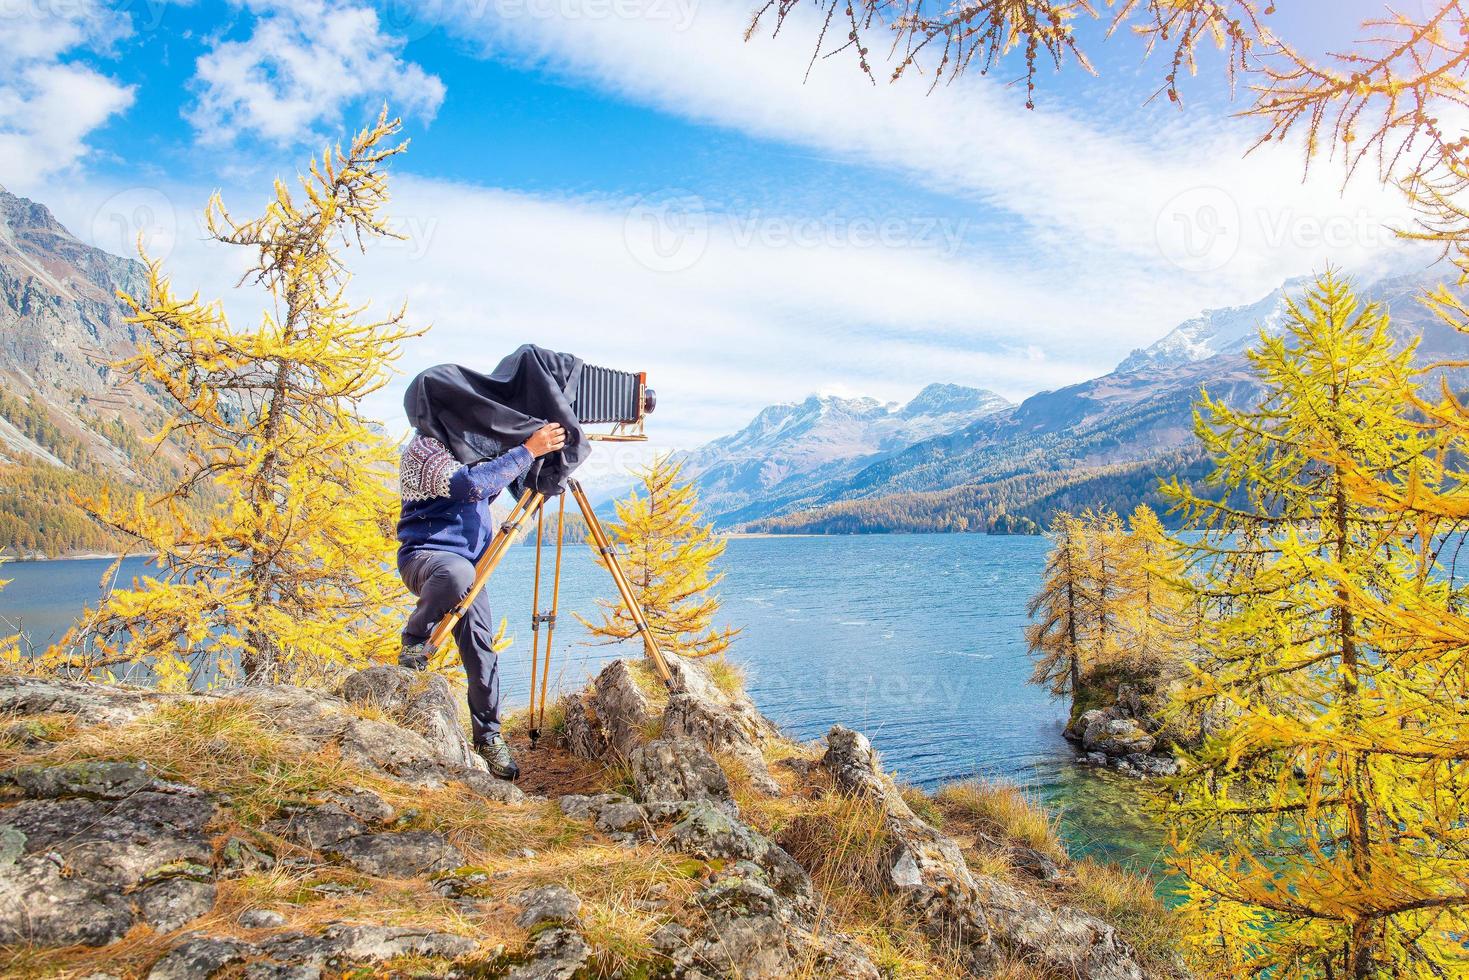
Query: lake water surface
x,y
915,640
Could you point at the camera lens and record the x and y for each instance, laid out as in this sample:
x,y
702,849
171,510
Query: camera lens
x,y
650,400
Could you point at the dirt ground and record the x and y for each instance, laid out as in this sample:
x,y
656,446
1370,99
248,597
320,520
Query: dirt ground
x,y
549,770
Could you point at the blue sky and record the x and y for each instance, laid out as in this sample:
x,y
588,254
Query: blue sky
x,y
630,180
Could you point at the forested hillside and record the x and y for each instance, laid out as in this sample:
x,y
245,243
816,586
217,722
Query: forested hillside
x,y
67,429
1104,442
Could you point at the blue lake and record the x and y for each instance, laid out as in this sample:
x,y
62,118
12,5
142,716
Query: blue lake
x,y
916,640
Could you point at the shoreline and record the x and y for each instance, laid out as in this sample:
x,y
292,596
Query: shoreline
x,y
84,556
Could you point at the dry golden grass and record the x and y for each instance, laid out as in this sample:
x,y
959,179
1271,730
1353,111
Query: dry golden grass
x,y
999,810
1127,900
728,677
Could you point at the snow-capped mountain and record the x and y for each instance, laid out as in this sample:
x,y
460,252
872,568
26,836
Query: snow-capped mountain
x,y
1223,331
1100,442
821,438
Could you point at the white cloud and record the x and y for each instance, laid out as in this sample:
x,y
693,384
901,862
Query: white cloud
x,y
1178,209
302,64
48,106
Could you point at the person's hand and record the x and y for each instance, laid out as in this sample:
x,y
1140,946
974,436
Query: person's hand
x,y
548,439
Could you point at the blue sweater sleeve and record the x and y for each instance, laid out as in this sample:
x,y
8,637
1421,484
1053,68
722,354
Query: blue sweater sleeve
x,y
485,480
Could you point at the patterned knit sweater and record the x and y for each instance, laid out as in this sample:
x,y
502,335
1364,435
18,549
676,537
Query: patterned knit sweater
x,y
446,505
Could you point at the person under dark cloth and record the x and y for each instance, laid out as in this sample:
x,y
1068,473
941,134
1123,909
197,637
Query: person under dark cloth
x,y
443,528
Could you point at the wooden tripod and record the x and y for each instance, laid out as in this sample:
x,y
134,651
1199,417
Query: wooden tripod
x,y
534,502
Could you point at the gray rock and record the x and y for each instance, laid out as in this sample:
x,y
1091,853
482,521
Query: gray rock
x,y
671,770
365,944
709,832
1119,736
174,902
1149,766
316,827
491,788
261,919
721,726
929,870
421,702
72,860
390,855
282,971
549,904
610,718
556,954
365,805
92,704
1095,759
625,818
98,780
198,958
588,807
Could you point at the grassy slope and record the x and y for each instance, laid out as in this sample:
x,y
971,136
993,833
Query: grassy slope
x,y
628,892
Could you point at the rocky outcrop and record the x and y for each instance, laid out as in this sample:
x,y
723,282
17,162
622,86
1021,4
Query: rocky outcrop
x,y
92,851
928,869
616,716
1127,733
89,850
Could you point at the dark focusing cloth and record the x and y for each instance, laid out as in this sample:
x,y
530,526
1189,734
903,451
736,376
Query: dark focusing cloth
x,y
481,416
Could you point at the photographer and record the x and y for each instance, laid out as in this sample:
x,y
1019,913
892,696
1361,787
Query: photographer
x,y
444,528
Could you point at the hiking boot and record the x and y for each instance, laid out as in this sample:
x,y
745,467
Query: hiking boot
x,y
497,754
414,656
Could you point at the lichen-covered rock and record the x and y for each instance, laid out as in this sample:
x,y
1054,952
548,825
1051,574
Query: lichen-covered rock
x,y
397,855
199,957
556,954
420,702
671,770
709,832
613,717
548,904
1116,736
174,902
98,780
91,704
930,871
316,827
70,861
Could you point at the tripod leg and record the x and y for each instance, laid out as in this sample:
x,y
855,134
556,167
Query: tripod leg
x,y
535,622
551,620
486,564
614,568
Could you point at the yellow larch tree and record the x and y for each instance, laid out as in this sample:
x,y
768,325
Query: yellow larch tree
x,y
289,576
1156,609
1058,611
668,553
1319,826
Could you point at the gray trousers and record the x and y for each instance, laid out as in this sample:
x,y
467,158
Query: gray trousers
x,y
440,580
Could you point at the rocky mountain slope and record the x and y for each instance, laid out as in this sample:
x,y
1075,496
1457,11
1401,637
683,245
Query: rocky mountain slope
x,y
791,446
1101,442
275,832
64,422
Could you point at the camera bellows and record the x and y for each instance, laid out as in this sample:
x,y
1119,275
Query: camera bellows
x,y
605,395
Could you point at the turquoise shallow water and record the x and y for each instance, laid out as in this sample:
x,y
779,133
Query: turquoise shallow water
x,y
914,639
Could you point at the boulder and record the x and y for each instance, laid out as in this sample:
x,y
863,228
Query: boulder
x,y
1117,736
556,954
671,770
976,912
66,864
394,855
613,717
420,702
316,827
553,904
